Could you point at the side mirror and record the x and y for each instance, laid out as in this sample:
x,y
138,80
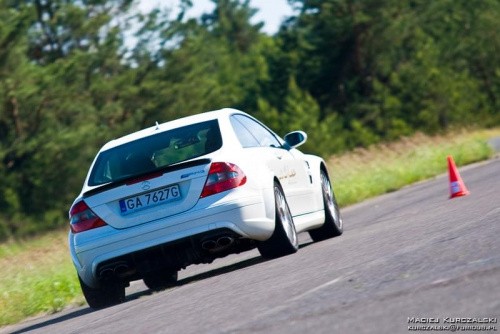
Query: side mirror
x,y
295,138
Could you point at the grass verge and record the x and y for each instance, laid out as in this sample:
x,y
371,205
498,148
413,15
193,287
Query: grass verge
x,y
38,276
365,173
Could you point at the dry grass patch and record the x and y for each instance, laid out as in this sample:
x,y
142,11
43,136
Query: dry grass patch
x,y
364,173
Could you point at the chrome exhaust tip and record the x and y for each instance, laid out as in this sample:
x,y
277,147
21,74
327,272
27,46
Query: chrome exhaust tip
x,y
122,270
209,245
225,241
106,273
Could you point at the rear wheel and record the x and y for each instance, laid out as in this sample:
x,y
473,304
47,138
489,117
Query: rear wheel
x,y
333,225
284,240
106,295
161,281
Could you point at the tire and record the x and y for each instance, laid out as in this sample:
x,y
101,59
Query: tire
x,y
333,225
284,240
160,281
106,295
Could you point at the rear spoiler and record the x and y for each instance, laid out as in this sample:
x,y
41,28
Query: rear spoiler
x,y
163,170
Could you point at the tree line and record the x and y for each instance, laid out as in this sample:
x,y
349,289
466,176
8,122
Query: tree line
x,y
348,72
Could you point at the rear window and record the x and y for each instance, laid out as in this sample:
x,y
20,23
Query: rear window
x,y
155,152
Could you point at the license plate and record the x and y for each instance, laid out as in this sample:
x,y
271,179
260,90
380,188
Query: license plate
x,y
153,198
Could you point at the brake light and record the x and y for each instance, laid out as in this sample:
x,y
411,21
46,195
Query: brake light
x,y
83,219
221,177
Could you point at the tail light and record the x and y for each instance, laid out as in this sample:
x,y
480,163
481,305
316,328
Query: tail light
x,y
83,219
221,177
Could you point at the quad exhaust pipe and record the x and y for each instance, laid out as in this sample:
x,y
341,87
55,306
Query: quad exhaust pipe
x,y
122,270
209,245
106,273
119,270
216,245
225,241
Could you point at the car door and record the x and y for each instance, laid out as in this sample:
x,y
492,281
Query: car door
x,y
290,171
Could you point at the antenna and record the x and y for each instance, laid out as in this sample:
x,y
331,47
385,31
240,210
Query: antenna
x,y
157,126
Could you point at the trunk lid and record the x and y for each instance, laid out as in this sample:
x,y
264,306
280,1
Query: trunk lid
x,y
145,198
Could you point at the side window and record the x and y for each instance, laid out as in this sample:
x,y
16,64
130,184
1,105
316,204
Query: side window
x,y
264,137
244,136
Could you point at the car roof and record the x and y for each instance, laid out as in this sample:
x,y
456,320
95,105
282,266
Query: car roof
x,y
155,129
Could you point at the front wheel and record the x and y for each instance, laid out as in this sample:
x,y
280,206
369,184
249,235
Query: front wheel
x,y
284,240
333,225
106,295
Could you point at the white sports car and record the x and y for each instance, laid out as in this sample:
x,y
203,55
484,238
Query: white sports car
x,y
190,191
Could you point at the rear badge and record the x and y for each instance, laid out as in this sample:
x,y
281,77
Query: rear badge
x,y
146,185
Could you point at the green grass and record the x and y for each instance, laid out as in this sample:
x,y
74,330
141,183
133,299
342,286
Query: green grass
x,y
366,173
38,276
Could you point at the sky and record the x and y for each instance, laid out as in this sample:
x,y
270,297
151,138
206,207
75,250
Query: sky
x,y
271,12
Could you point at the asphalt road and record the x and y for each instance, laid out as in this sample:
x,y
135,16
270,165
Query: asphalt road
x,y
495,144
410,253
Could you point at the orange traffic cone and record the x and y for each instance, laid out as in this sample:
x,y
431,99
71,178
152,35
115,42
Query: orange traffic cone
x,y
457,186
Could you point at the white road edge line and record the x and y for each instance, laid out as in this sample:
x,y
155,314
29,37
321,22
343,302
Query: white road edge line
x,y
286,304
315,289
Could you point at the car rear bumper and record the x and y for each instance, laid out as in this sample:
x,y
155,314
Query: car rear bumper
x,y
248,218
